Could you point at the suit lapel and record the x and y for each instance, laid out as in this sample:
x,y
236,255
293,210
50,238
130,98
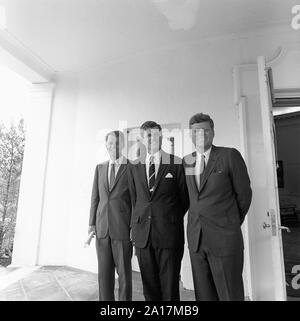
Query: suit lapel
x,y
143,176
161,170
163,165
121,170
105,175
210,166
164,162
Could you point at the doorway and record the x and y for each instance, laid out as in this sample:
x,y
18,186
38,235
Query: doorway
x,y
287,128
14,100
28,223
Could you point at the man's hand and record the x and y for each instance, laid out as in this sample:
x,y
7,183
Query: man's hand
x,y
92,229
91,234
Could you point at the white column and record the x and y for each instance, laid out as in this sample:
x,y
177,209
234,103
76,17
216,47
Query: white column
x,y
31,197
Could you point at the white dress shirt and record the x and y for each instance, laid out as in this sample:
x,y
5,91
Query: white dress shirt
x,y
117,163
157,157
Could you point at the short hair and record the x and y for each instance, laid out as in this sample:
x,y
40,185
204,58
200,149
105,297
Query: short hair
x,y
201,118
118,134
150,125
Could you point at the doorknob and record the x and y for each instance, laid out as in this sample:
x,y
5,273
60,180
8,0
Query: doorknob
x,y
284,228
265,225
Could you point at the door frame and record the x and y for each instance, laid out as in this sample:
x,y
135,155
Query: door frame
x,y
241,107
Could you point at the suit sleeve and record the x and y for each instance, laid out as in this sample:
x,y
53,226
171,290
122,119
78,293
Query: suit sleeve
x,y
241,183
183,191
131,186
94,199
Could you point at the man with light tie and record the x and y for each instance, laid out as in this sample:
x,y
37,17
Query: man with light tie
x,y
220,196
110,216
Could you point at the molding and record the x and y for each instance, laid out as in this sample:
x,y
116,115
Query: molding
x,y
22,60
278,55
45,88
283,51
287,93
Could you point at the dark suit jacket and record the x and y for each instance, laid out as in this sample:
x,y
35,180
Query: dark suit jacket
x,y
219,208
111,210
163,211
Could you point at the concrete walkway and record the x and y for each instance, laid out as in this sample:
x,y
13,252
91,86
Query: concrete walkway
x,y
61,283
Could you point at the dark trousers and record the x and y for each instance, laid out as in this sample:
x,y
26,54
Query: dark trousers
x,y
114,254
160,270
217,278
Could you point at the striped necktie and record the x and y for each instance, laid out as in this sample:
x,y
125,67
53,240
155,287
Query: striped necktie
x,y
151,174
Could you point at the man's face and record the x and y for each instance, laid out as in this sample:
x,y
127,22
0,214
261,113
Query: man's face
x,y
202,136
114,147
152,139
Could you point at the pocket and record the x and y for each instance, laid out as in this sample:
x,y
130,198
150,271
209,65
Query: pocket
x,y
218,173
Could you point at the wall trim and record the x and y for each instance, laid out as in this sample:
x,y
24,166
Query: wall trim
x,y
18,57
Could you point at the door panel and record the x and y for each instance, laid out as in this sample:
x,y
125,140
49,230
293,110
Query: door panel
x,y
265,250
272,196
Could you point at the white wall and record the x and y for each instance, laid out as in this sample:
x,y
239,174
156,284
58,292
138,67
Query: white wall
x,y
166,86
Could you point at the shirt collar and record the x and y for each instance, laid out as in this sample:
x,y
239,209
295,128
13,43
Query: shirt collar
x,y
156,157
206,154
117,161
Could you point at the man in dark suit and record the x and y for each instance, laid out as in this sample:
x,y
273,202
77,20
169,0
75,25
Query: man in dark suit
x,y
110,216
160,200
220,196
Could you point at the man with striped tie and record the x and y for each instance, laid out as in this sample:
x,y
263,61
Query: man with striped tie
x,y
220,196
160,200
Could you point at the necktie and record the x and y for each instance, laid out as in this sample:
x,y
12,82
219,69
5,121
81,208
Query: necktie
x,y
151,174
112,176
199,175
202,167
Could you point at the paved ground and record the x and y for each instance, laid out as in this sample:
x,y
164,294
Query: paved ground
x,y
61,283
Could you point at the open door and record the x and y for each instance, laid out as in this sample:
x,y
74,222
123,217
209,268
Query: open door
x,y
264,265
272,225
